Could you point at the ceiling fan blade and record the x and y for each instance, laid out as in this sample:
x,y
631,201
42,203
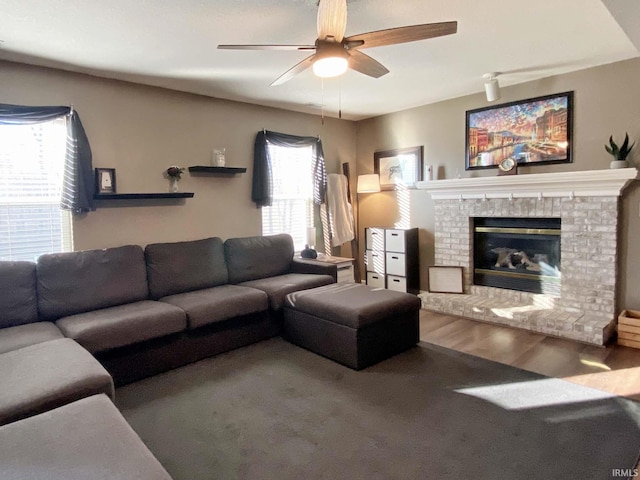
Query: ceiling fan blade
x,y
267,47
332,19
295,70
393,36
362,63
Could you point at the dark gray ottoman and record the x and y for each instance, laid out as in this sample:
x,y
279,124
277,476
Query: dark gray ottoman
x,y
353,324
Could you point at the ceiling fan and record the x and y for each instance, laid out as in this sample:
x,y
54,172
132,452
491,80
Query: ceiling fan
x,y
334,53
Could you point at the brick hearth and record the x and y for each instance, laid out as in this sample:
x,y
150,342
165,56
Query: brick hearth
x,y
588,205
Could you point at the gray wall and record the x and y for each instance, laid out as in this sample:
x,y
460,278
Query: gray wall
x,y
140,131
606,101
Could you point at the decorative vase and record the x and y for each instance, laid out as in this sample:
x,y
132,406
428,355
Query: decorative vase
x,y
308,252
218,158
618,164
173,184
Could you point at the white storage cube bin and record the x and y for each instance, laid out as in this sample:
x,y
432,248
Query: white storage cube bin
x,y
394,240
396,264
399,284
375,239
375,261
375,279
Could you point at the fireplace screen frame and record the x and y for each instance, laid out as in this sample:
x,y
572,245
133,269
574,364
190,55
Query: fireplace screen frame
x,y
520,253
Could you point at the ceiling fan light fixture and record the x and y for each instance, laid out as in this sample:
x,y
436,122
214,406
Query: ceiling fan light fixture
x,y
491,86
330,66
331,60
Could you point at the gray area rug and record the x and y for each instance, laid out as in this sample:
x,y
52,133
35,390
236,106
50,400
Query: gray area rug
x,y
275,411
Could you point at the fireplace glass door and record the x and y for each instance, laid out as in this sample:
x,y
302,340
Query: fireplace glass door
x,y
517,253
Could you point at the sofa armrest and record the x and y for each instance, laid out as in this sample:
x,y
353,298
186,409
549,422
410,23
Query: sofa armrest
x,y
303,265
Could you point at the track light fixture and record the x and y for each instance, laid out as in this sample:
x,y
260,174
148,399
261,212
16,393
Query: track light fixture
x,y
491,86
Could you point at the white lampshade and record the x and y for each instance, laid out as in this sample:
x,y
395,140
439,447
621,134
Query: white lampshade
x,y
491,87
368,183
311,236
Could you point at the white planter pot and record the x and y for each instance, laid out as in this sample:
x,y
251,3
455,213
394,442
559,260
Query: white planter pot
x,y
619,164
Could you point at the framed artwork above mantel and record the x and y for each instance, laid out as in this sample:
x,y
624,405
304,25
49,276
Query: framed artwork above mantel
x,y
399,168
531,132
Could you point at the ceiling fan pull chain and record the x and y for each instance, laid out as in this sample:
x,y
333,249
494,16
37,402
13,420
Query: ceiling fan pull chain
x,y
322,100
340,99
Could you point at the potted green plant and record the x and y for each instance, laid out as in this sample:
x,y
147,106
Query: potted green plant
x,y
619,153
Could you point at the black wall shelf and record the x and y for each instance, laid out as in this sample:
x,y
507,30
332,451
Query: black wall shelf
x,y
223,170
140,196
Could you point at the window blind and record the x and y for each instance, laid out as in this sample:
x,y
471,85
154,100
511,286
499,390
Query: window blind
x,y
31,169
292,208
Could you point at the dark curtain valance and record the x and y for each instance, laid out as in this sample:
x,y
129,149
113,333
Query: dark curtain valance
x,y
20,115
77,184
262,188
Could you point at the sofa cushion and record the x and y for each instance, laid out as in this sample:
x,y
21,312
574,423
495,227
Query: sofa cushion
x,y
75,282
251,258
113,327
277,288
185,266
47,375
18,302
86,439
217,304
13,338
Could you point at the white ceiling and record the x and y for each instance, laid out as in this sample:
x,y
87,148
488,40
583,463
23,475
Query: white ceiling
x,y
172,44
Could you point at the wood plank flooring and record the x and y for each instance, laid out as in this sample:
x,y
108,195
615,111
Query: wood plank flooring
x,y
614,369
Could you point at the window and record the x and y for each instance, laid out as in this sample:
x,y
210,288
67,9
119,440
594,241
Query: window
x,y
31,171
292,208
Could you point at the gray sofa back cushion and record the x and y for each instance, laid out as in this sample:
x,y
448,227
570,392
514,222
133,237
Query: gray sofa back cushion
x,y
18,301
76,282
251,258
185,266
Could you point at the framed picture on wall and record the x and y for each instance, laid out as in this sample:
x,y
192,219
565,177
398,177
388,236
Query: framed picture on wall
x,y
531,132
399,167
105,180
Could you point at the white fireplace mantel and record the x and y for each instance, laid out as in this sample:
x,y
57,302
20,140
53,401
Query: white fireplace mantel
x,y
589,183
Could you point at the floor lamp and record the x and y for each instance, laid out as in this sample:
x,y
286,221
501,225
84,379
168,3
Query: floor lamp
x,y
368,183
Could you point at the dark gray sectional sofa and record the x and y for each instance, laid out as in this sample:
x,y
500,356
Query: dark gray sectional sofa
x,y
72,323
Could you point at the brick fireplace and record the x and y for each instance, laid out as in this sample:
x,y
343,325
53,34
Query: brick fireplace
x,y
587,204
